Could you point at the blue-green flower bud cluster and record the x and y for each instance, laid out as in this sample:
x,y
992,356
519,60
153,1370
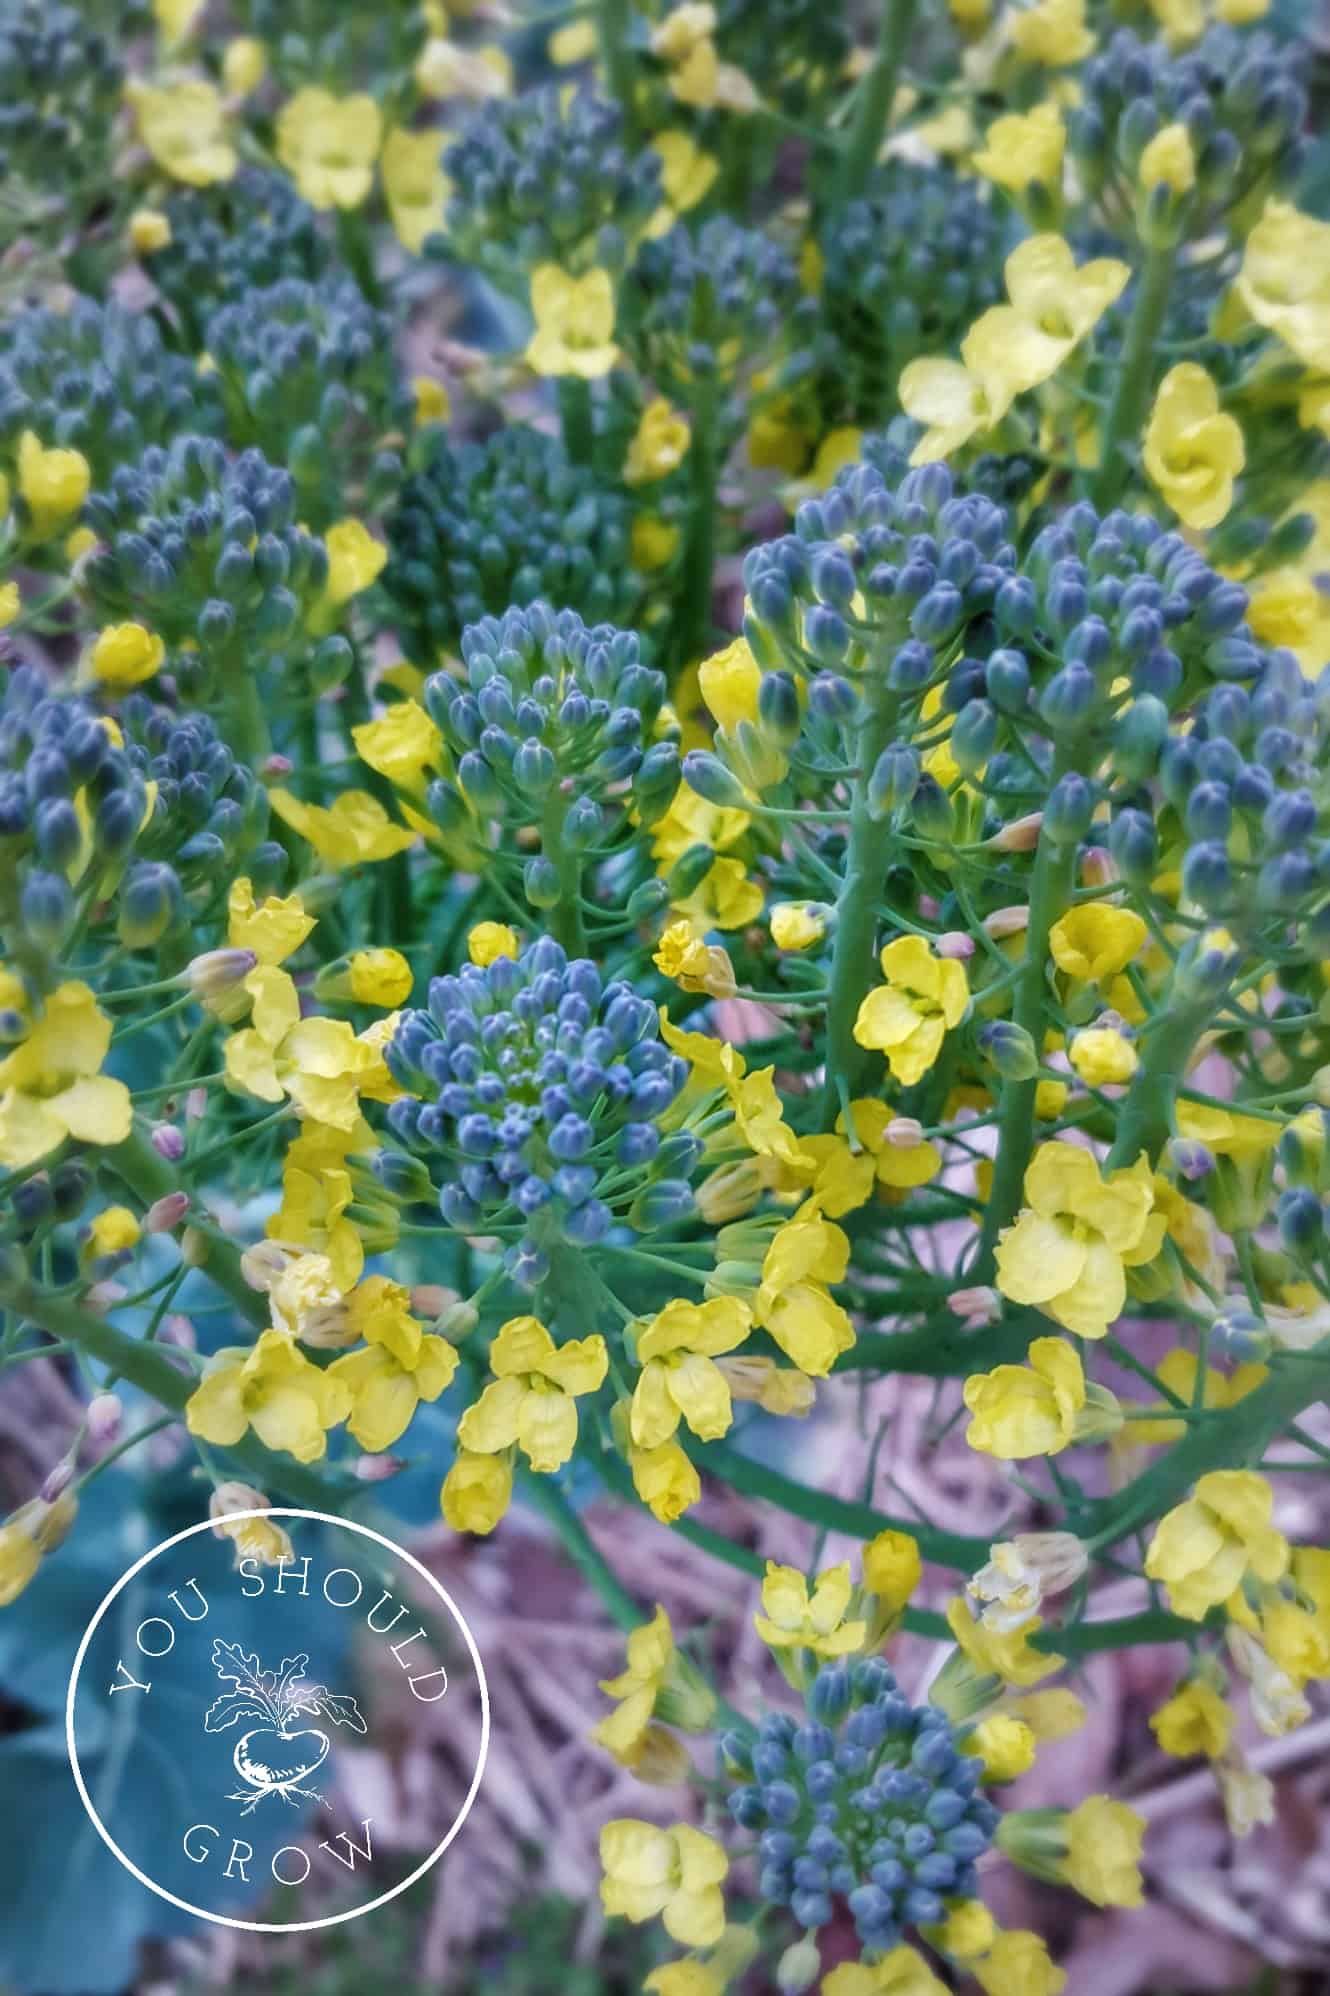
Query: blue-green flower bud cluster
x,y
232,240
793,51
347,48
551,710
533,1083
509,521
209,808
99,380
60,84
547,177
205,549
307,371
698,301
1237,96
870,1801
906,271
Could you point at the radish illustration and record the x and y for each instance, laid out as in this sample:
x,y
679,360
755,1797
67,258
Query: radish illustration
x,y
277,1755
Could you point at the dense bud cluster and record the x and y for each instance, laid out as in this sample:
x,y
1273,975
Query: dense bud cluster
x,y
208,807
870,1801
532,1082
546,178
230,241
700,299
508,521
207,549
552,709
60,83
100,380
791,49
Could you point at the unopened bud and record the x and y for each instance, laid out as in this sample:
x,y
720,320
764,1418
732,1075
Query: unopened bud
x,y
1010,1049
1021,835
1097,868
1022,1573
956,945
905,1133
196,1104
165,1214
976,1307
178,1330
193,1248
216,977
799,1967
731,1192
431,1299
1007,922
104,1417
378,1468
276,767
57,1481
457,1320
169,1142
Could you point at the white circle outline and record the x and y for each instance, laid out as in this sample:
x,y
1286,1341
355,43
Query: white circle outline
x,y
273,1926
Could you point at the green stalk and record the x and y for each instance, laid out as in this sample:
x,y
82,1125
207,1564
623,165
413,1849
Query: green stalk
x,y
877,92
857,907
565,917
613,18
1132,391
249,736
1145,1120
543,1494
576,417
692,632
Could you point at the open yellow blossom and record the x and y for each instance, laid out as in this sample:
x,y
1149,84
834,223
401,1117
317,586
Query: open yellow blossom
x,y
665,1480
909,1016
951,404
1227,1132
674,1875
355,559
1054,305
792,1618
1177,1371
1005,1744
316,1195
52,484
321,1064
679,1378
901,1971
52,1086
1021,1411
244,64
183,125
352,831
1020,149
1103,1852
693,963
1195,1720
1052,32
1095,940
574,323
253,1538
794,1303
329,145
1192,451
1103,1057
476,1492
403,744
687,174
273,1389
532,1399
1169,161
114,1231
637,1689
968,1930
686,25
415,184
798,924
445,69
1204,1548
126,655
1284,282
1002,1653
1070,1247
659,445
399,1366
652,542
27,1535
729,680
274,929
898,1164
1018,1961
725,899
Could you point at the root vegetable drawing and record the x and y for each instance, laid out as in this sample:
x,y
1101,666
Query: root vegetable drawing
x,y
276,1755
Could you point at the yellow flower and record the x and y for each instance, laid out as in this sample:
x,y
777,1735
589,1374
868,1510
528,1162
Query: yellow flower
x,y
1019,1411
352,831
791,1618
11,603
1192,451
637,1689
1004,1653
244,64
20,1554
126,654
1096,940
273,1389
399,1366
320,1063
184,128
1168,161
1005,1744
798,924
51,1084
687,173
316,1194
674,1875
659,444
1177,1370
329,145
575,43
445,69
1204,1548
1103,1852
653,542
274,931
379,977
1284,282
112,1232
175,18
1054,305
901,1971
476,1492
1052,32
892,1568
694,965
726,899
665,1480
689,1977
793,1302
52,483
415,184
403,744
355,559
679,1378
947,399
682,29
149,231
1069,1249
532,1399
1103,1057
908,1017
253,1538
1194,1720
1018,150
729,680
574,323
433,403
1018,1962
1227,1132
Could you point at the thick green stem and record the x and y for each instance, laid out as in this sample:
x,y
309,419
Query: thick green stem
x,y
692,635
1145,1120
1050,894
577,418
857,907
1131,394
616,56
944,1347
877,92
138,1166
565,919
248,725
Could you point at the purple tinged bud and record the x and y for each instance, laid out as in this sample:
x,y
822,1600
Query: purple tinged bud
x,y
169,1142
